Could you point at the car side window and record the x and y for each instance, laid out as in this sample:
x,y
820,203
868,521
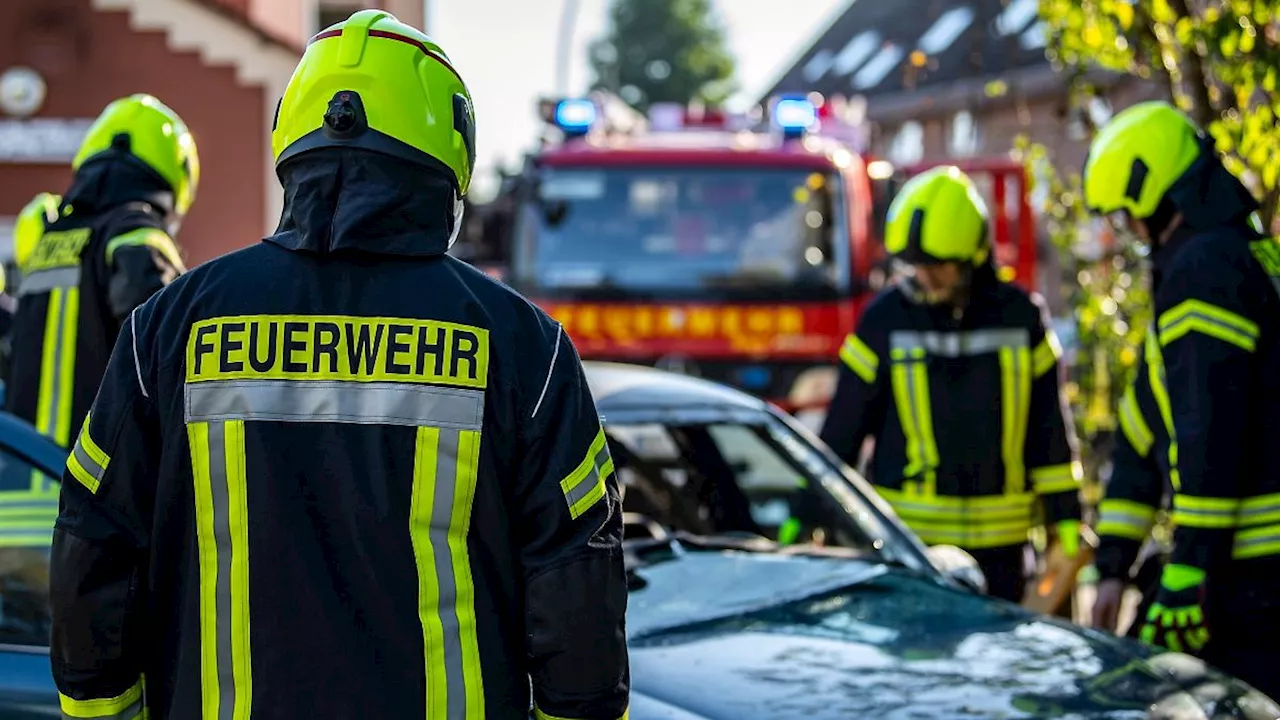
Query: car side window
x,y
28,509
725,479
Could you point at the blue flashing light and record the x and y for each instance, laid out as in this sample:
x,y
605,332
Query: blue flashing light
x,y
575,117
794,116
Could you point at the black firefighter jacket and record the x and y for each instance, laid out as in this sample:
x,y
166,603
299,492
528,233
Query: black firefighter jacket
x,y
1217,347
340,474
1139,484
966,414
104,256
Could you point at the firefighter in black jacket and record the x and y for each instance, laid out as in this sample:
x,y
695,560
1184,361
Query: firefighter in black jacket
x,y
1137,489
340,474
1217,348
955,375
107,251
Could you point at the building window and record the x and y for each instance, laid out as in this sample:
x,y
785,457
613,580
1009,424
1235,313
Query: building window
x,y
907,146
964,135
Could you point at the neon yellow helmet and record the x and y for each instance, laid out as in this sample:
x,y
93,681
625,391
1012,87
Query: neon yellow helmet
x,y
937,217
30,226
146,129
1137,158
374,83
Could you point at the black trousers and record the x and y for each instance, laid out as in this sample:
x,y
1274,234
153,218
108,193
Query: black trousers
x,y
1006,570
1244,625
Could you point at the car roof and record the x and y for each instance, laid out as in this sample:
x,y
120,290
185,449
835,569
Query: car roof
x,y
632,390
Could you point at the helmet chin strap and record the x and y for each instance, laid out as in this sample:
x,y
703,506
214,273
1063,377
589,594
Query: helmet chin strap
x,y
459,208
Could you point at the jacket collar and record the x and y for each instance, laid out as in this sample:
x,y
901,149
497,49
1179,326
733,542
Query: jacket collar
x,y
340,200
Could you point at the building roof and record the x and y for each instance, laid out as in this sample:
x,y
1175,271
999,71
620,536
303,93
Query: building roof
x,y
895,47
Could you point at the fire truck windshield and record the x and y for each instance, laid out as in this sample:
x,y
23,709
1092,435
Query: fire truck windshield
x,y
683,232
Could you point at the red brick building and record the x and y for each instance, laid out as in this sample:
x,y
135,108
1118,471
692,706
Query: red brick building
x,y
219,66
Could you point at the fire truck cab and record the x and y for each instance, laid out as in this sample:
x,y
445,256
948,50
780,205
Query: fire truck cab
x,y
740,249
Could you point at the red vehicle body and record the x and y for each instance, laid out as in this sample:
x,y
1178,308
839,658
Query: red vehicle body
x,y
682,293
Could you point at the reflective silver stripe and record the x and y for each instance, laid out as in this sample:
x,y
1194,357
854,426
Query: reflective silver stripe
x,y
960,344
130,713
43,281
447,608
579,491
222,586
1248,513
88,463
365,403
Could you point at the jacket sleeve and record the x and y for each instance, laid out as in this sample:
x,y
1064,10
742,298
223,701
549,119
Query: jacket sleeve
x,y
1207,334
858,407
1049,446
1133,492
140,263
570,530
99,553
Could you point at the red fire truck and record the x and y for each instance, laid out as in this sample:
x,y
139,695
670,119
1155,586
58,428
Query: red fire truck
x,y
737,250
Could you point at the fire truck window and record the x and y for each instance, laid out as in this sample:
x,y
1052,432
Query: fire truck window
x,y
684,229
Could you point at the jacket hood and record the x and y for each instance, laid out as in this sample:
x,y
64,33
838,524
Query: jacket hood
x,y
110,182
338,200
1209,196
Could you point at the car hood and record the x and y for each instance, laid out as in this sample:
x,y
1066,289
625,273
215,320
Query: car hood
x,y
866,641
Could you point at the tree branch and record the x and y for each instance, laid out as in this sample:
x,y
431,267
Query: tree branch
x,y
1202,110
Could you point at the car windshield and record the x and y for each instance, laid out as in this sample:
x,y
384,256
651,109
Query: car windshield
x,y
746,480
683,232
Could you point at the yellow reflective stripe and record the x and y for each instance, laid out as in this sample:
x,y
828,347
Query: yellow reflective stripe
x,y
910,382
222,542
973,538
67,366
1057,478
1046,354
1211,320
1256,542
46,412
584,487
1133,425
1125,518
1015,406
860,358
1156,379
539,715
1260,510
465,606
126,705
1204,512
445,472
153,238
87,462
988,506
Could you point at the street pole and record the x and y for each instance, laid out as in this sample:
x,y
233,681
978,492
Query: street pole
x,y
426,16
568,21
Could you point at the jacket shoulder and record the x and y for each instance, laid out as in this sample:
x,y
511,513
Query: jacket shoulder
x,y
1022,307
885,311
1217,267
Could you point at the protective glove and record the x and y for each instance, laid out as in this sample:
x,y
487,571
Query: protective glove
x,y
1069,537
1176,619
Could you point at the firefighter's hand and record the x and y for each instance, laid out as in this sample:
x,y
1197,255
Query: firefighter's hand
x,y
1106,607
1067,535
1176,619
